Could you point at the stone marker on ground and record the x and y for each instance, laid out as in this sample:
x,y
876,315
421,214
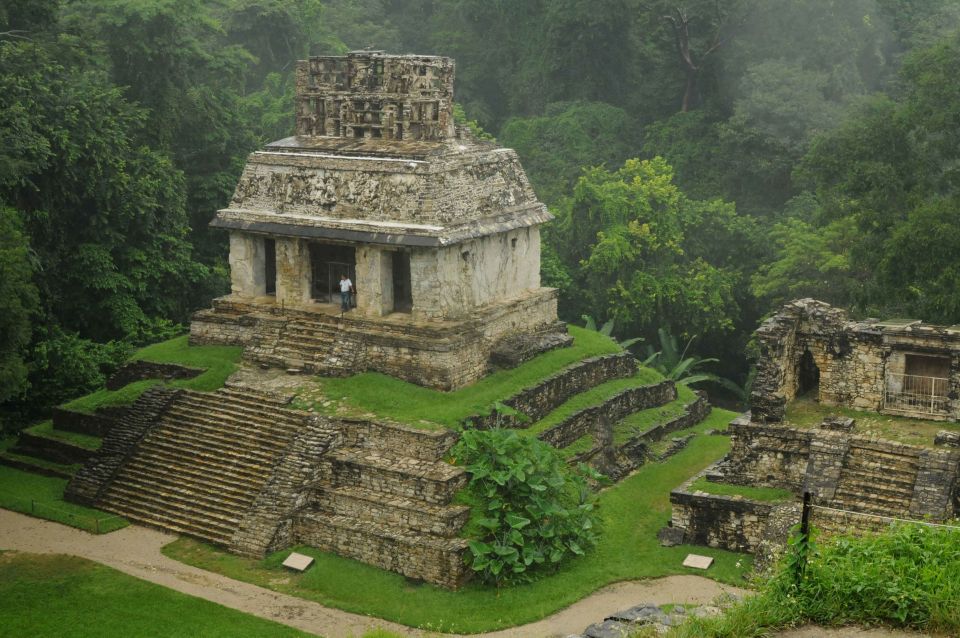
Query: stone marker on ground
x,y
697,562
298,562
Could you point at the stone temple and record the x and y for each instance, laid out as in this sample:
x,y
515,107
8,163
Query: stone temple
x,y
439,232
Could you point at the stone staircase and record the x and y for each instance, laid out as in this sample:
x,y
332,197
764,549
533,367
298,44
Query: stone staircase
x,y
308,344
200,468
874,481
385,499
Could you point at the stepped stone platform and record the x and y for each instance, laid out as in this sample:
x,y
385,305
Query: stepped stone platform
x,y
858,482
319,339
239,468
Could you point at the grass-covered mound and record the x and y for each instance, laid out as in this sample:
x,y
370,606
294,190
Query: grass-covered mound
x,y
56,596
908,576
765,494
631,512
42,496
390,398
218,362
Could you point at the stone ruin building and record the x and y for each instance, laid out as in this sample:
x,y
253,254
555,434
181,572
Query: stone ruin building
x,y
439,232
809,349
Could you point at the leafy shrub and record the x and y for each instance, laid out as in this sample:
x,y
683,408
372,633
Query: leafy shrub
x,y
908,576
531,511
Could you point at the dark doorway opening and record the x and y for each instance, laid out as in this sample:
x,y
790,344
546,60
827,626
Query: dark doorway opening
x,y
402,293
327,263
270,266
808,376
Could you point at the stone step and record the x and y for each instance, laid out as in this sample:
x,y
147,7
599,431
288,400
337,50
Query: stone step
x,y
277,417
242,424
395,511
253,396
158,451
435,560
222,487
880,497
880,474
868,483
881,507
170,521
880,457
181,425
162,499
206,446
433,482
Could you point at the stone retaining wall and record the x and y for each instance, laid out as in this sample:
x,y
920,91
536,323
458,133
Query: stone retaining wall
x,y
598,419
429,445
537,401
51,449
96,424
140,370
726,522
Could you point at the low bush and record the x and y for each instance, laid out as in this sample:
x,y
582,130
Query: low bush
x,y
531,510
907,576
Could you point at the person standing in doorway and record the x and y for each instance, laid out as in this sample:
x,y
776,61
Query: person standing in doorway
x,y
346,288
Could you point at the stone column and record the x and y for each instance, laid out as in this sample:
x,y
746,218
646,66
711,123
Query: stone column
x,y
247,265
374,281
293,271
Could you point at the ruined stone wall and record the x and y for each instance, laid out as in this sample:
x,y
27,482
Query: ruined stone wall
x,y
854,359
767,455
141,370
727,522
247,265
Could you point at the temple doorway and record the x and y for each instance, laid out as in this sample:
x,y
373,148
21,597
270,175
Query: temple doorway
x,y
402,293
808,376
270,266
327,263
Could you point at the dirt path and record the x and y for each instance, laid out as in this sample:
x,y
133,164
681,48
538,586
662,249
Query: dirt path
x,y
136,551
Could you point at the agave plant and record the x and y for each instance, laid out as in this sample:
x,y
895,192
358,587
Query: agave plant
x,y
674,364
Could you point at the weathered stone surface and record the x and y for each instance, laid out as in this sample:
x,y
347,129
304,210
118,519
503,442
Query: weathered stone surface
x,y
608,629
96,424
513,350
726,522
946,438
837,423
848,363
51,449
671,536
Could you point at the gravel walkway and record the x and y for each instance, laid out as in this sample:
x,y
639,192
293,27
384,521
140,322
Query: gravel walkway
x,y
135,550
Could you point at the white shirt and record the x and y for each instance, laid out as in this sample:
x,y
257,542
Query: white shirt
x,y
345,285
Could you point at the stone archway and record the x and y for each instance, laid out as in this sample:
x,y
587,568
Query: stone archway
x,y
808,376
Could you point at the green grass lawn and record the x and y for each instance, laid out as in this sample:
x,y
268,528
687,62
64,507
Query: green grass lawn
x,y
390,398
219,363
765,494
632,512
46,429
57,596
807,413
42,496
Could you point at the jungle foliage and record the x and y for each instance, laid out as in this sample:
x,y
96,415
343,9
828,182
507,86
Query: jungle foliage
x,y
706,159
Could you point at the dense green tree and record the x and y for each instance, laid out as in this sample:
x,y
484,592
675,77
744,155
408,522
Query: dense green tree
x,y
556,146
640,252
18,304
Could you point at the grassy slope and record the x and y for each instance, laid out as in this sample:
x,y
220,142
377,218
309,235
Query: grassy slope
x,y
46,429
633,511
219,362
42,496
390,398
68,597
